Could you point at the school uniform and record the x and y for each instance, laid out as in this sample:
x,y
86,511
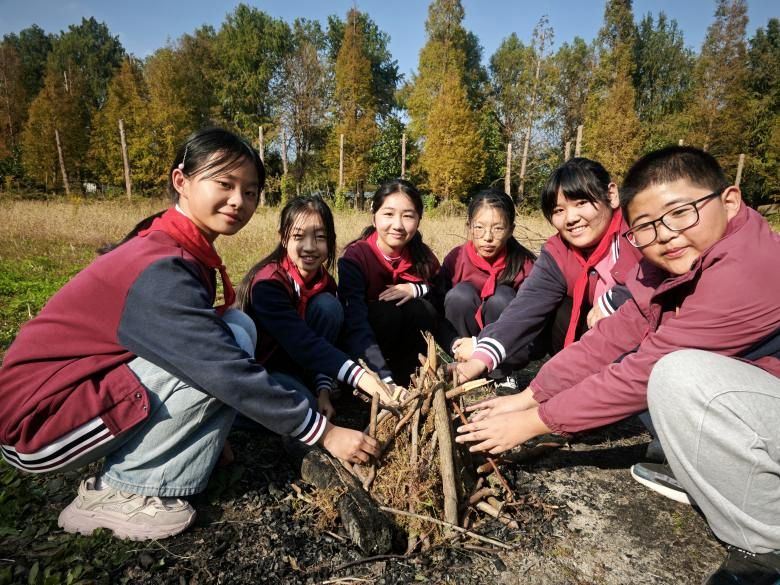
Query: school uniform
x,y
385,335
84,373
474,291
551,304
708,344
298,323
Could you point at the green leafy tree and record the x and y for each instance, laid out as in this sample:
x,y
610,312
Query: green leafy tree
x,y
33,46
717,117
612,133
386,151
12,98
761,180
355,107
250,48
453,162
572,72
663,79
128,101
384,69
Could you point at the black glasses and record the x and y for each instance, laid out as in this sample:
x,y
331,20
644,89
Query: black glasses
x,y
677,219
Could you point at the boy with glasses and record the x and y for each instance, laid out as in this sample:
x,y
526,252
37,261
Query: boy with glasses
x,y
705,293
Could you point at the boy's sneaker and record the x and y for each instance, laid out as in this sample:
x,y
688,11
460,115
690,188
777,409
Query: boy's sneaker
x,y
128,515
741,567
659,478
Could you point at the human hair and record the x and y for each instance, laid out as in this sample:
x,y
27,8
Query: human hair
x,y
211,152
296,210
670,164
577,178
419,253
516,252
194,157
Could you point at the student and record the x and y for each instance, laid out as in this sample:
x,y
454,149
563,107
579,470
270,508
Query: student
x,y
290,296
131,361
479,279
699,342
575,281
383,277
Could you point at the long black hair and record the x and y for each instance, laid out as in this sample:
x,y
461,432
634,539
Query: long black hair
x,y
209,151
517,254
295,209
419,252
577,178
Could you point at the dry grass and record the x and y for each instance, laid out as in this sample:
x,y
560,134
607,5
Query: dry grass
x,y
34,225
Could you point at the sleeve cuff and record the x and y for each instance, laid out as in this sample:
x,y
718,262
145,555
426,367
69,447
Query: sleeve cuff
x,y
420,289
350,373
490,351
605,303
311,429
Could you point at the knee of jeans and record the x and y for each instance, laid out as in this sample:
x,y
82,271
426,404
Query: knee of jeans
x,y
327,306
461,296
243,329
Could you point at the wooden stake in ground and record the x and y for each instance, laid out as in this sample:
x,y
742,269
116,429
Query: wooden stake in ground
x,y
125,160
62,162
446,464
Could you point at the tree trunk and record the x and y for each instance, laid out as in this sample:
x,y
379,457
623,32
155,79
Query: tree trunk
x,y
125,160
62,162
261,152
508,175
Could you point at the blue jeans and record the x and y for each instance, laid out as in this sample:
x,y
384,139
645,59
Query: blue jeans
x,y
173,452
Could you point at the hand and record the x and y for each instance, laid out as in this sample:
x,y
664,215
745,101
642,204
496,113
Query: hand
x,y
348,444
594,316
463,348
468,370
325,406
502,432
502,405
402,293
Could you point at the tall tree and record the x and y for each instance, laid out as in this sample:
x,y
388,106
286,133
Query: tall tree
x,y
452,159
302,97
761,181
250,48
355,106
386,151
128,101
384,69
33,46
612,132
12,98
89,51
717,116
573,67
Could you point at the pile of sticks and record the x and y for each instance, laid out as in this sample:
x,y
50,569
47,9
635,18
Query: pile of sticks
x,y
434,487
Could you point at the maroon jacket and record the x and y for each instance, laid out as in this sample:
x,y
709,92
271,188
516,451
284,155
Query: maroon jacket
x,y
727,303
457,268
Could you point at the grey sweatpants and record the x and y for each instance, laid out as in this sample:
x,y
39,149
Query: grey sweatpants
x,y
718,420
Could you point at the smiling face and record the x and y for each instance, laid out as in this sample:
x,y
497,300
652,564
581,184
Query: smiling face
x,y
673,251
583,223
490,231
220,204
396,221
307,245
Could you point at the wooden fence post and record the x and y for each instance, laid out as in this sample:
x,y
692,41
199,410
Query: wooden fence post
x,y
125,159
567,151
62,162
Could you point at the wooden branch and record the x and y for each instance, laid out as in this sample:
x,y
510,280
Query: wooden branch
x,y
446,463
492,512
468,387
372,433
480,495
415,435
453,527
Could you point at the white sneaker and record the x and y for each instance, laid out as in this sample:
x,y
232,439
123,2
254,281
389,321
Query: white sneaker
x,y
507,386
129,516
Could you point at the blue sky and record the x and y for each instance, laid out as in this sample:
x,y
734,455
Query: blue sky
x,y
146,25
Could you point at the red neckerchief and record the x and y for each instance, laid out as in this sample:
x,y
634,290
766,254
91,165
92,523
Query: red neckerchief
x,y
401,269
493,269
180,228
582,280
306,290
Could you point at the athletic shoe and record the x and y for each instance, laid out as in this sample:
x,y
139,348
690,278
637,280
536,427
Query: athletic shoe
x,y
659,478
741,567
507,386
129,516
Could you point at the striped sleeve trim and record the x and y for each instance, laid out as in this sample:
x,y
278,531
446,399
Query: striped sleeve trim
x,y
350,373
605,303
420,289
322,383
311,429
63,451
490,351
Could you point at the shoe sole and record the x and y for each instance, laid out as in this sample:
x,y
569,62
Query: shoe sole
x,y
667,492
78,521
